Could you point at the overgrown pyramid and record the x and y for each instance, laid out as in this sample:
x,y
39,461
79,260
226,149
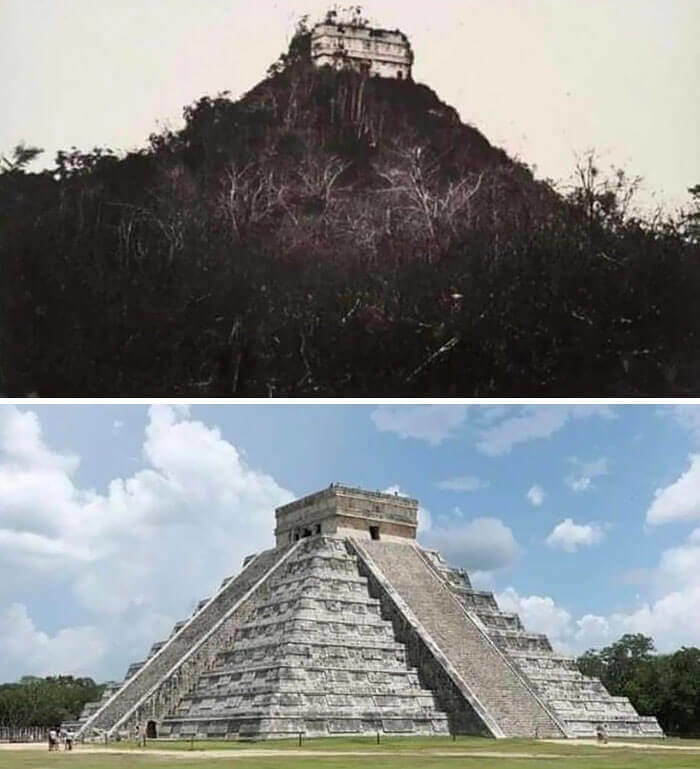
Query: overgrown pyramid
x,y
349,626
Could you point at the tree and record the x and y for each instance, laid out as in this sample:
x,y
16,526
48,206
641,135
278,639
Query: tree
x,y
299,49
605,200
664,685
691,219
22,156
616,665
415,180
45,701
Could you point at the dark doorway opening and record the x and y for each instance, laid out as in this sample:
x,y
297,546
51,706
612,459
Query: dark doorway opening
x,y
374,532
151,730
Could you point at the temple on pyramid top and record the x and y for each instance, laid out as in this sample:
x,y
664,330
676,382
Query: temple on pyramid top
x,y
346,40
348,626
347,511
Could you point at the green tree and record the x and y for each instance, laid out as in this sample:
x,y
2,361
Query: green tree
x,y
664,685
45,701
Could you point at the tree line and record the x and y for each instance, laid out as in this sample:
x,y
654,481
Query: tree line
x,y
333,235
663,685
35,701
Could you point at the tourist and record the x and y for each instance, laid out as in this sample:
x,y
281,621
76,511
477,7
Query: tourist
x,y
53,739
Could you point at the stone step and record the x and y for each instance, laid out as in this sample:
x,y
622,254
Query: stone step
x,y
519,639
482,669
474,600
156,648
155,669
261,726
287,669
542,660
313,646
499,620
133,669
316,648
318,619
299,695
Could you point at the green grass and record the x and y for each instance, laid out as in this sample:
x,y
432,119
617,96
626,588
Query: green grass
x,y
365,743
688,742
396,753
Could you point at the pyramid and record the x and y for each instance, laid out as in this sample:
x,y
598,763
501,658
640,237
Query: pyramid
x,y
347,627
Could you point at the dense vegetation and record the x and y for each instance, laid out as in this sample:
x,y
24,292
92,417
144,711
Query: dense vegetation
x,y
329,235
45,701
664,685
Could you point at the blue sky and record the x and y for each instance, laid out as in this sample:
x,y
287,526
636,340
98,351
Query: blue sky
x,y
116,520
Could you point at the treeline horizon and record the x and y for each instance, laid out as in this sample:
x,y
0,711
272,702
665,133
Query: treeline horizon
x,y
45,702
329,235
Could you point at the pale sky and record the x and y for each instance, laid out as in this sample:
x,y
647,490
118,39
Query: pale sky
x,y
544,79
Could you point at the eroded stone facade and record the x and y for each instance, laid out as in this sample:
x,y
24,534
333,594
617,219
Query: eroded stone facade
x,y
380,52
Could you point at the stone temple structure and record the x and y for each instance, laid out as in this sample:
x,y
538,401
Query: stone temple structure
x,y
356,45
348,626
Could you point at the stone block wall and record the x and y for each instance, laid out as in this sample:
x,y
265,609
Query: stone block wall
x,y
501,696
311,654
147,678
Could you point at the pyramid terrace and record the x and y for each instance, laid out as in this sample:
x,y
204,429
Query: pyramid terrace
x,y
348,626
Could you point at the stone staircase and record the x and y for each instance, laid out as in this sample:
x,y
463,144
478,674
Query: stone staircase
x,y
578,702
507,702
313,655
153,686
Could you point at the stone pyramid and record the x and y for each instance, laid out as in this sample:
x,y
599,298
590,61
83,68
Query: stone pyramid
x,y
347,627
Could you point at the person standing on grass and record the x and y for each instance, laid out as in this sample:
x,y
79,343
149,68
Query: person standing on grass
x,y
53,737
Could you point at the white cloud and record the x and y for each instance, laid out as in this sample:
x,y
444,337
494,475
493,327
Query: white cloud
x,y
680,566
25,650
672,621
427,423
533,423
483,544
584,473
539,614
463,483
536,495
21,444
117,425
681,500
670,614
151,545
569,536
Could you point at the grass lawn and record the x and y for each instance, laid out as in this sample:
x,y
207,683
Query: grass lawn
x,y
408,753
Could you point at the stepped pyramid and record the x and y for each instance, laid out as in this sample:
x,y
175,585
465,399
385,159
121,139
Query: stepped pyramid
x,y
348,626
